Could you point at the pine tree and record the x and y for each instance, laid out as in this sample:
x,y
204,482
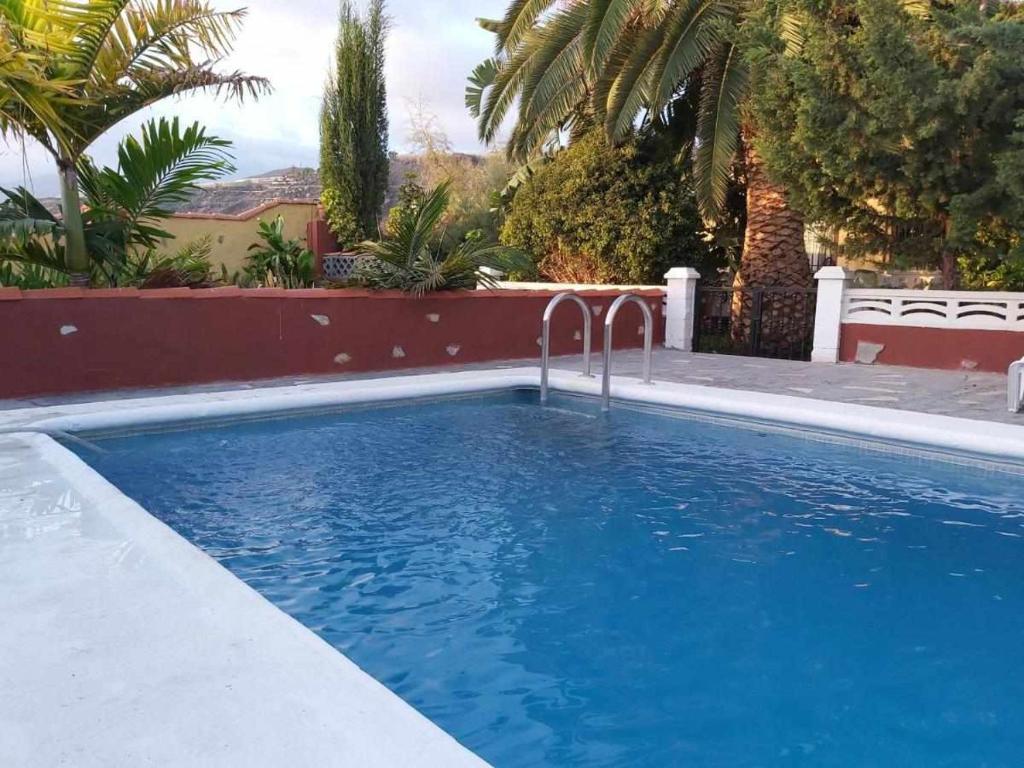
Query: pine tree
x,y
902,128
354,126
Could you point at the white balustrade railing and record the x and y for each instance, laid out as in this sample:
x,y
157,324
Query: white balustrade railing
x,y
934,309
837,303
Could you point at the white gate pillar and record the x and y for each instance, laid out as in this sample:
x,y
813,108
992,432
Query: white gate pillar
x,y
828,314
680,309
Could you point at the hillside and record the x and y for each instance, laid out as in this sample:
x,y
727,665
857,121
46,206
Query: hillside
x,y
236,196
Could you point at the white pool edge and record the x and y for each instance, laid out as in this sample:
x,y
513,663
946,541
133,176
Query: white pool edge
x,y
386,718
357,719
984,439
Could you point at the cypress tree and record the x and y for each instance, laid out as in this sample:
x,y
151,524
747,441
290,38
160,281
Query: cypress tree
x,y
354,126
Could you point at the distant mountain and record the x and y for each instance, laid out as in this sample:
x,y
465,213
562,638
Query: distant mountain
x,y
240,195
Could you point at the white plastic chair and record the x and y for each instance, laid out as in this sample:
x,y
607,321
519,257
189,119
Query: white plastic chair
x,y
1015,387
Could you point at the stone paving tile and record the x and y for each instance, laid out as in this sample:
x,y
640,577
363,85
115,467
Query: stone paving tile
x,y
967,394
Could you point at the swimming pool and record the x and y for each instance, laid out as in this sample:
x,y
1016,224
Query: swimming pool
x,y
554,586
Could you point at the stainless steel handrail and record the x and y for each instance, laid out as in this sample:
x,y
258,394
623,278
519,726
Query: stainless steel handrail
x,y
606,374
545,342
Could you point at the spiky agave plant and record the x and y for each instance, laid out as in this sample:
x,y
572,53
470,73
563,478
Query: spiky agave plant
x,y
413,260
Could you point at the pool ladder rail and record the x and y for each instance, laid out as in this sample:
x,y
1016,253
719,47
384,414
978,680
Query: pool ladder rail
x,y
606,373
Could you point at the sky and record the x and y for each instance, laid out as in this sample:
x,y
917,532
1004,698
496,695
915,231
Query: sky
x,y
432,48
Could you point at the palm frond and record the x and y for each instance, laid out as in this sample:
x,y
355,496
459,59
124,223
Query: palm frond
x,y
91,34
539,57
22,206
693,33
163,34
406,261
31,98
480,80
519,19
605,25
507,83
110,58
791,31
625,89
155,173
718,126
489,25
29,233
131,97
556,84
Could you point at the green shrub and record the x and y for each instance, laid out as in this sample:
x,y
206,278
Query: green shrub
x,y
991,273
596,213
277,262
410,198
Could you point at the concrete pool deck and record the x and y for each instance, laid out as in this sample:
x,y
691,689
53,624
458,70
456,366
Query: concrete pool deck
x,y
123,644
966,394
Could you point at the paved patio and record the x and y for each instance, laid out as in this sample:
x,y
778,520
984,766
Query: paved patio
x,y
967,394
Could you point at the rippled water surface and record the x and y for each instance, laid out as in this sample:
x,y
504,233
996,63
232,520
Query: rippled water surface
x,y
556,587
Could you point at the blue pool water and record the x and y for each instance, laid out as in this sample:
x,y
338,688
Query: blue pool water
x,y
557,587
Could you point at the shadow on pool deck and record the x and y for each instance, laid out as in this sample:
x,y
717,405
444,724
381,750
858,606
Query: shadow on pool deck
x,y
966,394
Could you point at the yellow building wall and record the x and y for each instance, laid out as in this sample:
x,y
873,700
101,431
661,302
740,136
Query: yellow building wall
x,y
233,234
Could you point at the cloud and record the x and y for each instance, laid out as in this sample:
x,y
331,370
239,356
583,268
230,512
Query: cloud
x,y
432,48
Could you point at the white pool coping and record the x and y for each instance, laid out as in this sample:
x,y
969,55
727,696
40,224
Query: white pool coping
x,y
123,644
983,439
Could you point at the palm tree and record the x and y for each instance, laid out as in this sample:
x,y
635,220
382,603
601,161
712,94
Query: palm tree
x,y
124,206
111,58
628,64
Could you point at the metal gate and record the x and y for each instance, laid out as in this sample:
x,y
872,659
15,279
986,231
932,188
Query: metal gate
x,y
757,322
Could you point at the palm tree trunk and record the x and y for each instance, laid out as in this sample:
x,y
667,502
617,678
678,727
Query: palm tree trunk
x,y
950,271
76,257
774,257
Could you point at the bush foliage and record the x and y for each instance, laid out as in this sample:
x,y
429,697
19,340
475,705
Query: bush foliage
x,y
905,129
277,261
597,213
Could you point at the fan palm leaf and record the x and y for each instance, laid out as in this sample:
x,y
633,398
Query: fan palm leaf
x,y
480,80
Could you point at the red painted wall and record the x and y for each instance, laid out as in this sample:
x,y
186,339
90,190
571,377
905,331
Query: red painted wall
x,y
946,348
131,338
320,240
